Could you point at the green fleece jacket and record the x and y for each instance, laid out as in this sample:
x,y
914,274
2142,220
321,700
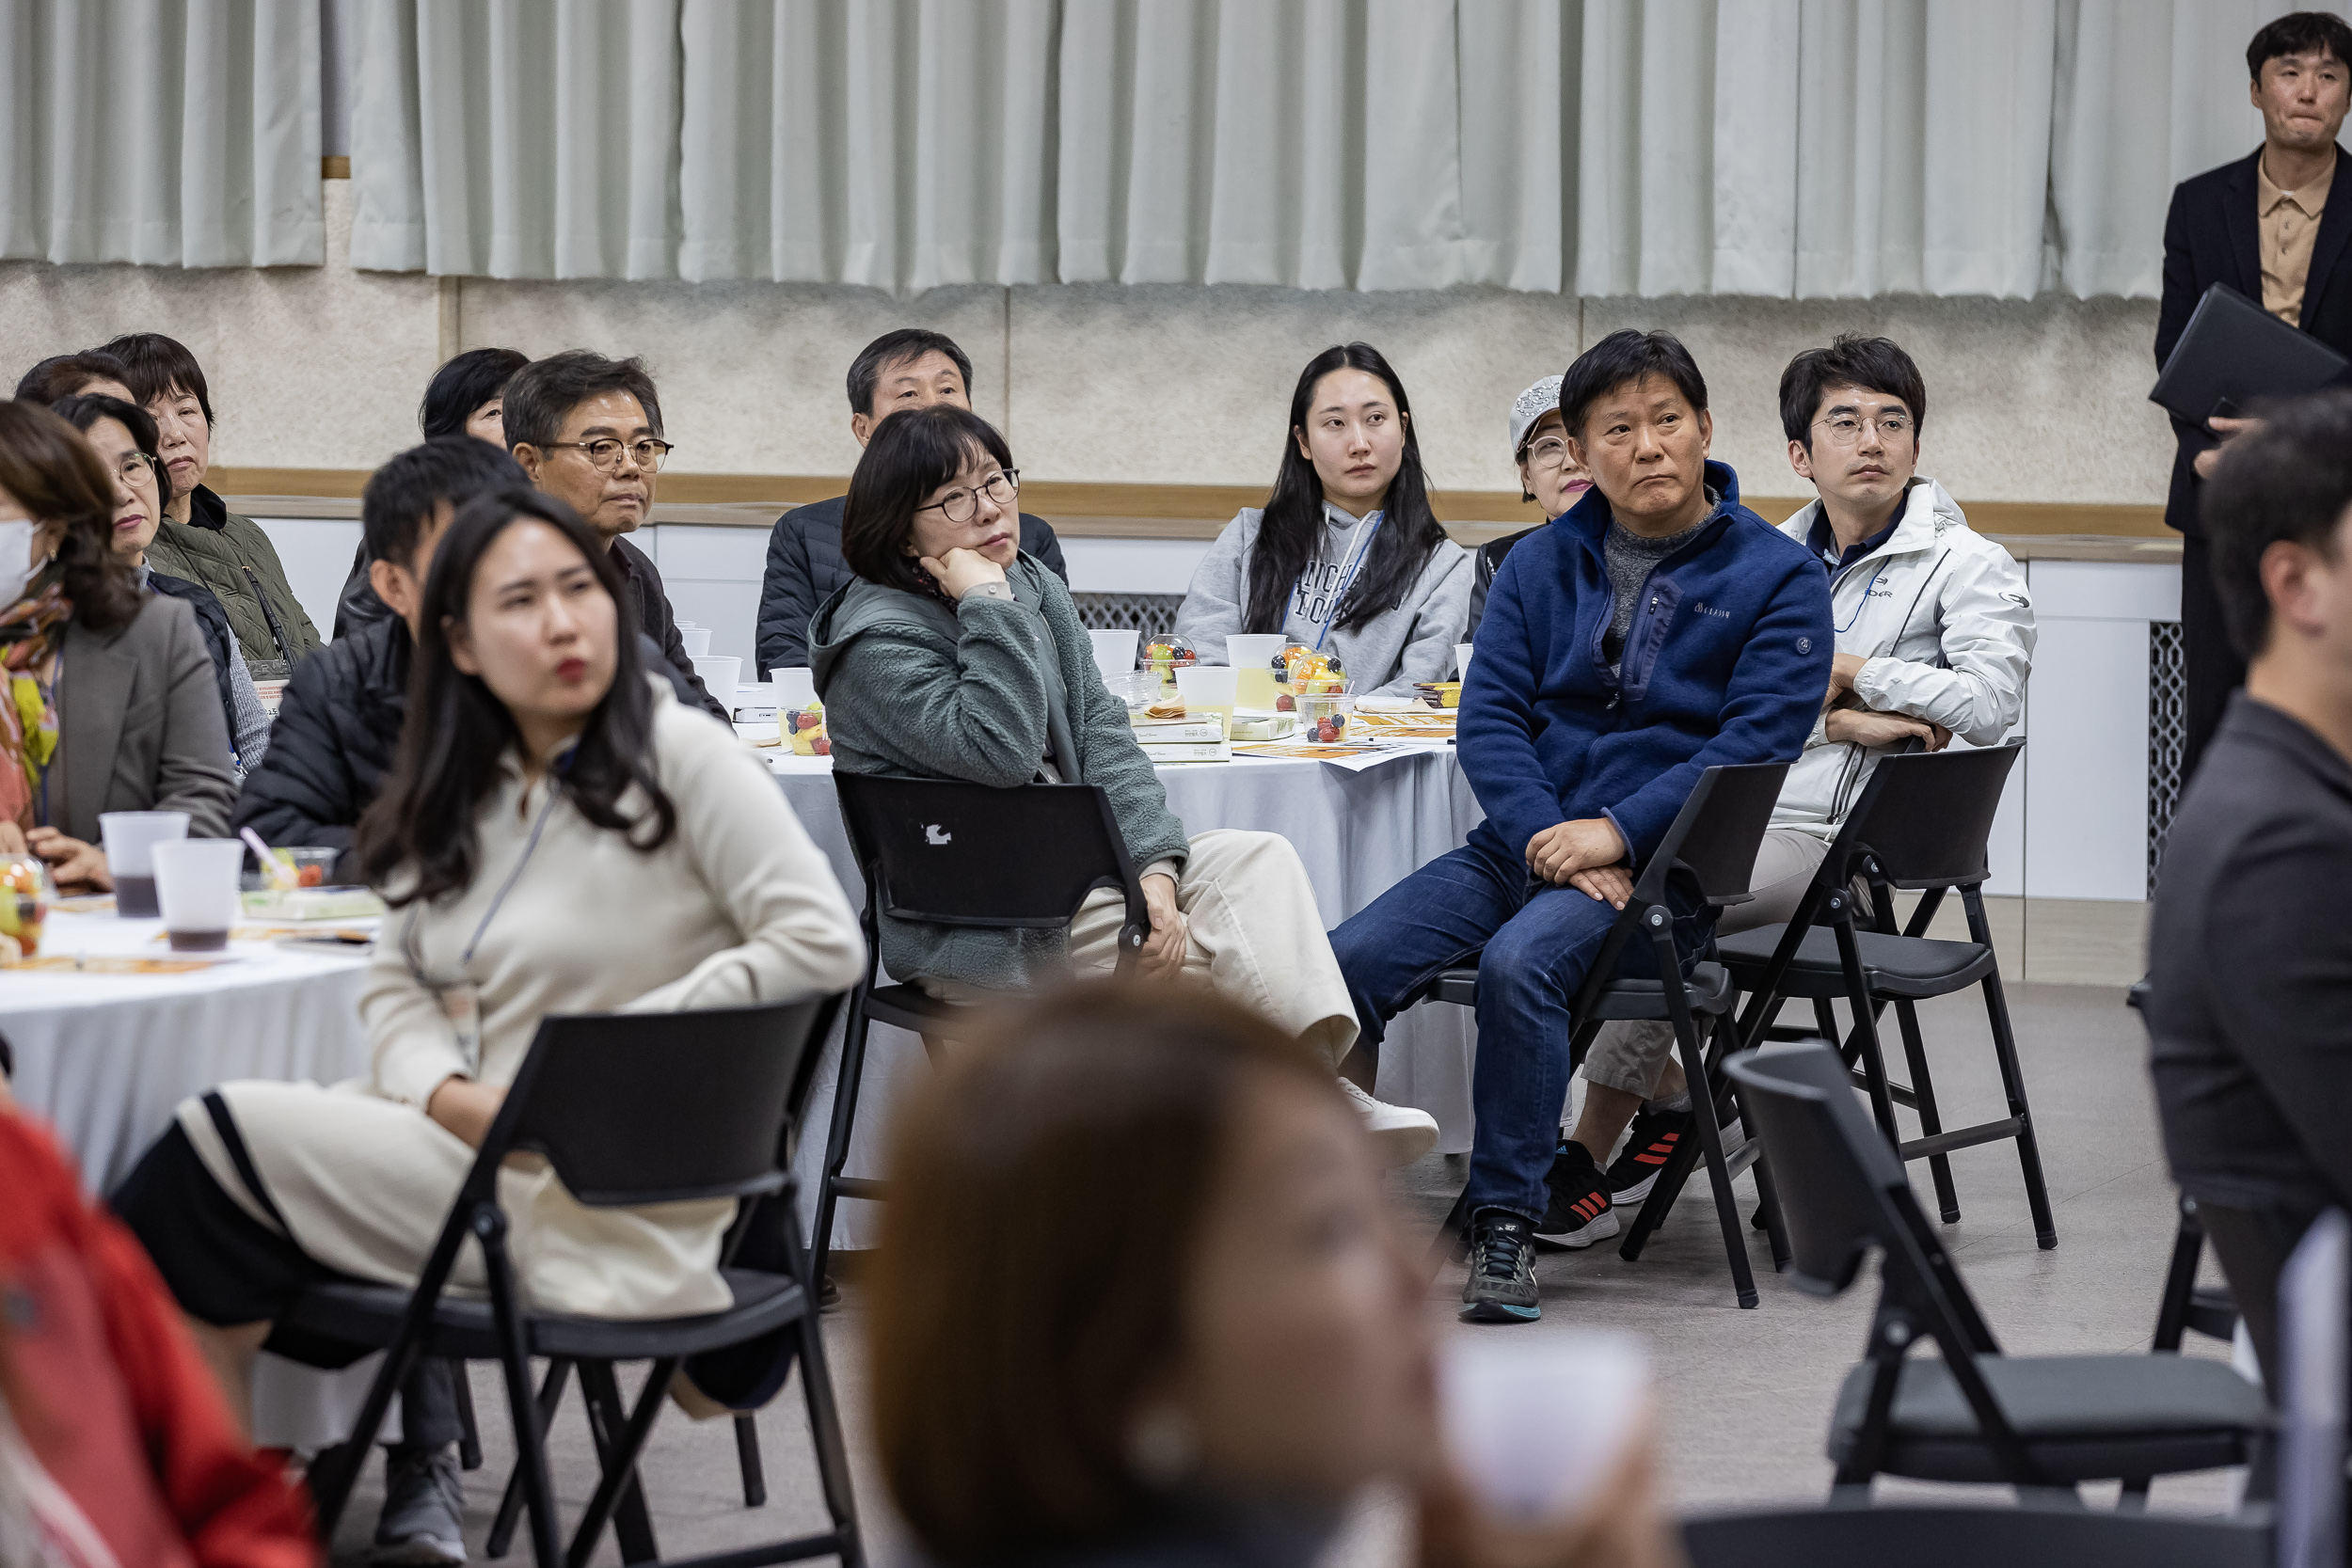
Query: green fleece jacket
x,y
906,695
233,557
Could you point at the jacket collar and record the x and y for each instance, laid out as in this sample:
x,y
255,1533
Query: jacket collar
x,y
207,509
1590,517
2335,227
2256,722
1929,512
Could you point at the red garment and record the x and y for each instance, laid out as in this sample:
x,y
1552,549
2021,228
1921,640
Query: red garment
x,y
111,1395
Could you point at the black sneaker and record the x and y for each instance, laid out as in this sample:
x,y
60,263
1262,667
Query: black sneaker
x,y
1502,1284
1647,1149
1580,1213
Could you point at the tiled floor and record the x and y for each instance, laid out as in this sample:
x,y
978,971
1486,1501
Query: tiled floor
x,y
1744,1396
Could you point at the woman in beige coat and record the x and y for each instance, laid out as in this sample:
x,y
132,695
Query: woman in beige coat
x,y
109,701
558,835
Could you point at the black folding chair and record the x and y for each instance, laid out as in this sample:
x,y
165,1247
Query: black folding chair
x,y
2208,1309
1713,841
631,1110
1920,825
1975,1414
2029,1536
948,852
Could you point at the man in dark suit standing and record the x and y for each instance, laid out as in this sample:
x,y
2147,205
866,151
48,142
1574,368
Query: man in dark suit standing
x,y
2273,226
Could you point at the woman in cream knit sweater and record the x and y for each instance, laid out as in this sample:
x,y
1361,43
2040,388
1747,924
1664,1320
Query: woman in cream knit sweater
x,y
558,835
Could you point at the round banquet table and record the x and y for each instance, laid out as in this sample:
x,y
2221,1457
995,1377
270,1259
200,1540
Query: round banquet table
x,y
1357,832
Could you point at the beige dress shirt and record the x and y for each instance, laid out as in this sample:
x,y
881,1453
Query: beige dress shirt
x,y
2289,222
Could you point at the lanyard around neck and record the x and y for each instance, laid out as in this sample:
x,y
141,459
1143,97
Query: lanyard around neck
x,y
1348,569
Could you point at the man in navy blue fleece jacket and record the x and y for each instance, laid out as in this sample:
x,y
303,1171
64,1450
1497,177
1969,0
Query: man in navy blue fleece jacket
x,y
1655,630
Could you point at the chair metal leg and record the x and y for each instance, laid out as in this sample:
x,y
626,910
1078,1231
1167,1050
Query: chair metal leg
x,y
1825,1021
469,1435
515,1356
331,1479
853,1032
824,1419
2013,1086
747,1461
510,1504
2180,1280
1923,1102
629,1432
607,1419
1866,1034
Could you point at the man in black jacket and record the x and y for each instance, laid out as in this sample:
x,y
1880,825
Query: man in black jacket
x,y
2249,958
910,368
588,431
2273,226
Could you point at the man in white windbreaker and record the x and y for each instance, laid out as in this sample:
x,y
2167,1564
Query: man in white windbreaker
x,y
1935,640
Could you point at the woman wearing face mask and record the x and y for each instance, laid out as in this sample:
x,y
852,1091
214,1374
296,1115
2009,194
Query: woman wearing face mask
x,y
1206,1332
124,438
1347,556
558,835
956,656
112,704
1548,476
201,540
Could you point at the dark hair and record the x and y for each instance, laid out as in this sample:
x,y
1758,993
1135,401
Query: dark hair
x,y
541,395
85,411
154,366
63,375
1291,523
1851,360
457,731
1049,1187
53,474
401,495
896,348
910,456
2289,479
463,385
2297,33
1626,356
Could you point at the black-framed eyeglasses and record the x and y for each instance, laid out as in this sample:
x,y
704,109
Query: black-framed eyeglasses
x,y
605,452
962,506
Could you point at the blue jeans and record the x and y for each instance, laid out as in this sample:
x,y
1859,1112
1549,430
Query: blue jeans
x,y
1534,943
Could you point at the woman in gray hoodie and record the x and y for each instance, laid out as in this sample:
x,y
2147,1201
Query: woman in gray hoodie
x,y
1346,556
955,655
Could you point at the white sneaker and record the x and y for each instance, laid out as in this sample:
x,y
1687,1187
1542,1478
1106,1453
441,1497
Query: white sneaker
x,y
1401,1134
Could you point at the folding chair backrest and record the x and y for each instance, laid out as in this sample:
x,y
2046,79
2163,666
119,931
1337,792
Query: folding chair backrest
x,y
639,1108
1925,817
948,852
2029,1536
1715,836
1830,1167
2316,1366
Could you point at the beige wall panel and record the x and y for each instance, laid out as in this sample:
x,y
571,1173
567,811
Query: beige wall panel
x,y
308,367
1172,385
752,375
2044,399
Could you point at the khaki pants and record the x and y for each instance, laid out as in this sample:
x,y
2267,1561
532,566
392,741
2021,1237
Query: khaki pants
x,y
1254,935
1633,1056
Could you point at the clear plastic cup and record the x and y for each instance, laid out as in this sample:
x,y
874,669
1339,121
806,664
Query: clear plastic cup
x,y
1461,660
130,838
196,882
720,674
795,686
1114,651
1324,717
1207,689
698,640
1536,1427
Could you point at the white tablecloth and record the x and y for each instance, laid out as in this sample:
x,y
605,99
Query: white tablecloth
x,y
1358,833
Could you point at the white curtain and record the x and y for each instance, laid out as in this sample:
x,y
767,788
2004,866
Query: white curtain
x,y
174,132
1797,148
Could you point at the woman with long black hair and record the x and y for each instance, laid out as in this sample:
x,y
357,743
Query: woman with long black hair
x,y
559,834
1346,556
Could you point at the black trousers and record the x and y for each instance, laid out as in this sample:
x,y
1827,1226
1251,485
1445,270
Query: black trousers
x,y
2215,669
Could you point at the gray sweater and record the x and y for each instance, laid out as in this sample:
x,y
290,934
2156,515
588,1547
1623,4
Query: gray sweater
x,y
904,697
1387,656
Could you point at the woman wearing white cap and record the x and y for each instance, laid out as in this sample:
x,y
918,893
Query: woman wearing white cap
x,y
1548,476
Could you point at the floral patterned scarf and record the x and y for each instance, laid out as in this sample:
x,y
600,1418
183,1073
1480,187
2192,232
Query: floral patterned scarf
x,y
32,632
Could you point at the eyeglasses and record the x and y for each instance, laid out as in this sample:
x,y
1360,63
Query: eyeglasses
x,y
137,468
962,506
1844,430
1546,454
649,453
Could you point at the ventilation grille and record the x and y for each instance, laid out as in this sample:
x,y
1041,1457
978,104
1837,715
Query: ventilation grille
x,y
2168,735
1152,615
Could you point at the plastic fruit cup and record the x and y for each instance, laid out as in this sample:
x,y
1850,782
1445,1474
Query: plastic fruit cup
x,y
1323,715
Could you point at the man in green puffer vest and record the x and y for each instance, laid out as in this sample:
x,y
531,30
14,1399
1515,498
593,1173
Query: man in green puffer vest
x,y
201,540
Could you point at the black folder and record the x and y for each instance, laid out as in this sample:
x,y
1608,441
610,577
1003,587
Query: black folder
x,y
2234,353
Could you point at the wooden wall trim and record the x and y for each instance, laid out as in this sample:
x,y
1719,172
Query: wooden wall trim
x,y
1109,510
